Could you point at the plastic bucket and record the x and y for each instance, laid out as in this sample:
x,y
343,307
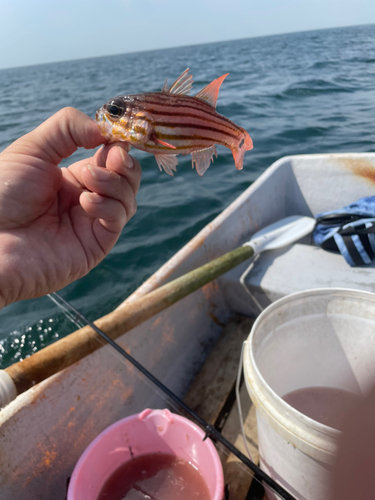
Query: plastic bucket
x,y
151,431
315,338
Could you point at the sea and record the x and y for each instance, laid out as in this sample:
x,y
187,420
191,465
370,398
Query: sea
x,y
298,93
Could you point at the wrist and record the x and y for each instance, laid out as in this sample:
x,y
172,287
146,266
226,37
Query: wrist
x,y
2,298
3,295
11,282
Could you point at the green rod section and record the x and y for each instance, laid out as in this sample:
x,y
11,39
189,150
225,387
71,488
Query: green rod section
x,y
84,341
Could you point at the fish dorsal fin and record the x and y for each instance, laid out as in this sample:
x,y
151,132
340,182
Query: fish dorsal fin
x,y
165,87
211,91
182,85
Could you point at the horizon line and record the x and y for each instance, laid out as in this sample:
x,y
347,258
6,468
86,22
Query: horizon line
x,y
183,46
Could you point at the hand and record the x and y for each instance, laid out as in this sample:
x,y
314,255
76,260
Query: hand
x,y
56,224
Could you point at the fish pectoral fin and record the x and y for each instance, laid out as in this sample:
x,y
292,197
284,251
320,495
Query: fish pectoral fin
x,y
167,162
158,141
182,85
211,91
203,158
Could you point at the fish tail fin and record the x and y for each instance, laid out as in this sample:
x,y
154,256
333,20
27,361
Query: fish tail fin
x,y
244,144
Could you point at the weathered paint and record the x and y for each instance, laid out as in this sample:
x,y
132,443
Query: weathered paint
x,y
66,351
363,167
275,200
102,388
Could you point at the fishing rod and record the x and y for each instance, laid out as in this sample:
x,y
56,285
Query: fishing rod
x,y
23,375
210,430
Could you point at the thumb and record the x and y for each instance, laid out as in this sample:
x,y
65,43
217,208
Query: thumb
x,y
61,135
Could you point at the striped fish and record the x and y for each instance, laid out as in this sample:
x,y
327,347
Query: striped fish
x,y
170,122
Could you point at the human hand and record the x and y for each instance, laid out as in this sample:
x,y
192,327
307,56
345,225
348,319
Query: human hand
x,y
56,224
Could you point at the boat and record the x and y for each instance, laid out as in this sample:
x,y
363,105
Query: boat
x,y
45,429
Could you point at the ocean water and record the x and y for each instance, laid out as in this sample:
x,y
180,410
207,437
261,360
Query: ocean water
x,y
301,93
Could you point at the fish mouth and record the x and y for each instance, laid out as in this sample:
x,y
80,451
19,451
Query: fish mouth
x,y
104,123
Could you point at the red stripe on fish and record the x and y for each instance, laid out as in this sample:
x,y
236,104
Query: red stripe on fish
x,y
183,109
194,127
180,108
169,122
175,120
194,139
193,121
160,98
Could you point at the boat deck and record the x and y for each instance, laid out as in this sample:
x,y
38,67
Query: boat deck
x,y
212,396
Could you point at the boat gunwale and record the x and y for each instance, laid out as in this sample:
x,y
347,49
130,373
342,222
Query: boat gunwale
x,y
164,273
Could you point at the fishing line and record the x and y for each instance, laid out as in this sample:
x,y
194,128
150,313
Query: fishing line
x,y
80,324
72,316
243,277
210,430
238,400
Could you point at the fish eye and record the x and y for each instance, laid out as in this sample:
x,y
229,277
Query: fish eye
x,y
115,108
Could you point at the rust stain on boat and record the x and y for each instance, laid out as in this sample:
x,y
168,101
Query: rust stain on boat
x,y
75,426
360,167
199,240
126,392
209,289
168,335
215,319
38,395
156,323
48,457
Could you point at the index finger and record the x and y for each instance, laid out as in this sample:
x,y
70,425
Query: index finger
x,y
115,157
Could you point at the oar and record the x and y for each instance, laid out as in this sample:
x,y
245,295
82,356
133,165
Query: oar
x,y
20,376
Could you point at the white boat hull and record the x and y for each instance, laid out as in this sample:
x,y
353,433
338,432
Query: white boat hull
x,y
44,431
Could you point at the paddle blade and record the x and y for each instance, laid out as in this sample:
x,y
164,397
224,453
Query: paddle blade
x,y
281,233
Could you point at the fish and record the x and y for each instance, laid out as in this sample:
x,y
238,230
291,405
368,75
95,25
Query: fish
x,y
171,122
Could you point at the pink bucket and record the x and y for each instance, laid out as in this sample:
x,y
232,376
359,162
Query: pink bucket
x,y
148,432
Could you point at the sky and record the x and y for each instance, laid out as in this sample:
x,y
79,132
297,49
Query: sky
x,y
41,31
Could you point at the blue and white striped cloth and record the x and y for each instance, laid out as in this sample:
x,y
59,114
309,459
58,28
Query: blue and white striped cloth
x,y
349,230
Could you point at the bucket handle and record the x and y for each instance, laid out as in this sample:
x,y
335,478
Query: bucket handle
x,y
238,400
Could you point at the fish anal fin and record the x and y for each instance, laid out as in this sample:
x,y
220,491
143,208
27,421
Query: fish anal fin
x,y
203,158
182,85
167,162
211,91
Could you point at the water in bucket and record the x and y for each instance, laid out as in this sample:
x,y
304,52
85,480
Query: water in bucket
x,y
307,363
155,476
326,405
152,455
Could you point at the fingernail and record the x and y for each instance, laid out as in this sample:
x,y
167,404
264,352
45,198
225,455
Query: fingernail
x,y
127,160
92,198
99,174
122,155
131,162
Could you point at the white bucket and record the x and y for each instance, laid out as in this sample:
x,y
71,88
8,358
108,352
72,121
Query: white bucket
x,y
315,338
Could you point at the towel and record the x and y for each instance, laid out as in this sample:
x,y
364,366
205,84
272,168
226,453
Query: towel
x,y
349,230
